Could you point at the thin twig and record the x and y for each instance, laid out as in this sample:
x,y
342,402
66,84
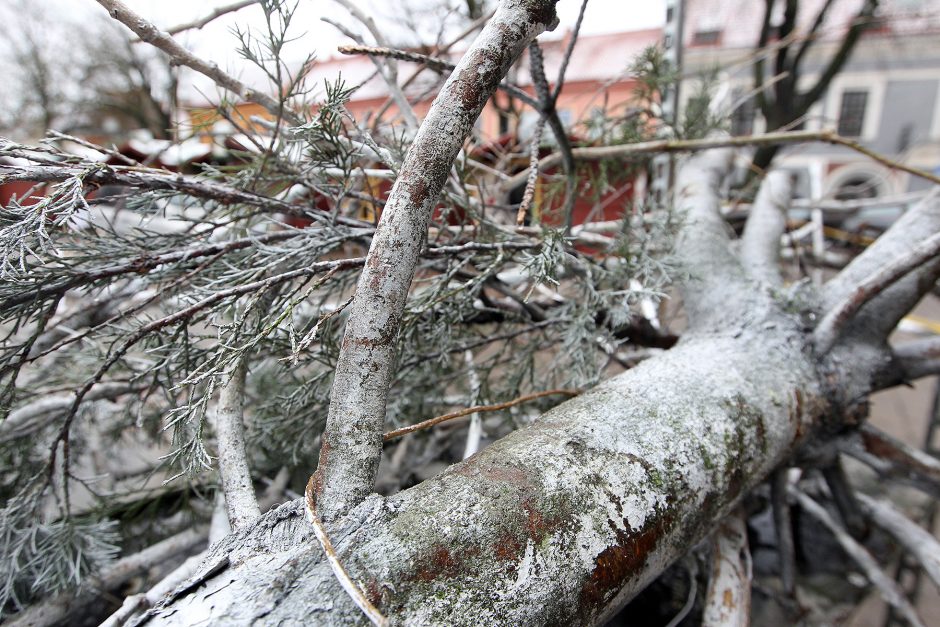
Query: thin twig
x,y
600,153
201,22
354,592
434,64
397,433
829,328
529,192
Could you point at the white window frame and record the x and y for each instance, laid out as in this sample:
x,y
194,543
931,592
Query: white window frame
x,y
873,83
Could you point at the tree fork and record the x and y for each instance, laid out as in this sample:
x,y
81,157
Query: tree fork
x,y
351,445
559,523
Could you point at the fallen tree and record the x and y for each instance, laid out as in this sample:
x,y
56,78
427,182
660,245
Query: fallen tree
x,y
565,520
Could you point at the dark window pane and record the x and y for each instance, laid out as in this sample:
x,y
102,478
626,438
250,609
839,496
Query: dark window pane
x,y
742,119
852,113
706,38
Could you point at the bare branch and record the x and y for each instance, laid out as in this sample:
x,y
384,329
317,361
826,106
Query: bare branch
x,y
864,20
844,497
917,541
352,441
434,64
703,242
159,180
397,433
214,15
550,114
601,153
914,226
889,589
917,359
233,459
760,243
893,459
830,327
560,82
810,36
155,37
783,525
30,418
728,600
388,70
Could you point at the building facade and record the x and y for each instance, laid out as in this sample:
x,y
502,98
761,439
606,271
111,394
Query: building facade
x,y
887,95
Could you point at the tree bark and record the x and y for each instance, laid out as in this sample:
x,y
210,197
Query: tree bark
x,y
352,440
561,522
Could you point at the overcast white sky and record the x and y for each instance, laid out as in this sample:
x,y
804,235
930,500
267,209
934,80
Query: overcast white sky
x,y
216,42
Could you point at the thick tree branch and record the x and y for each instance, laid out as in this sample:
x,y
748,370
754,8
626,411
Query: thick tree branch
x,y
511,535
728,600
352,440
233,456
875,321
766,223
704,241
830,327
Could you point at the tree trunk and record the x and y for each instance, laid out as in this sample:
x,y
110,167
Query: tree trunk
x,y
559,523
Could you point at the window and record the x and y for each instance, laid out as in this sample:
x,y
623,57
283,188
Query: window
x,y
852,113
706,37
858,187
742,118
